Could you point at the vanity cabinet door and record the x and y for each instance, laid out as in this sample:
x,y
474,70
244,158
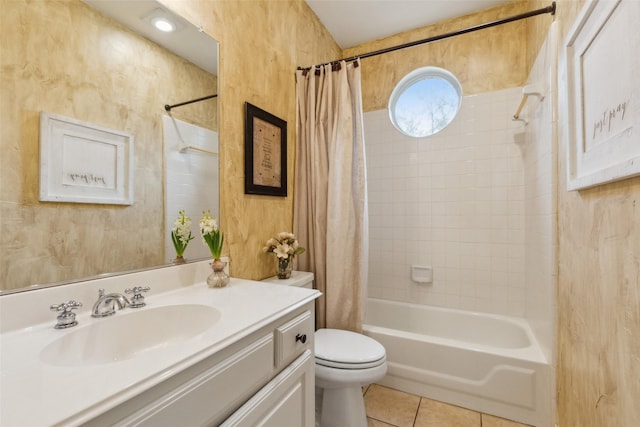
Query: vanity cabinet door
x,y
205,399
287,400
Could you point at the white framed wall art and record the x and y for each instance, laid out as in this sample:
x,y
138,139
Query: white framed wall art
x,y
603,93
82,162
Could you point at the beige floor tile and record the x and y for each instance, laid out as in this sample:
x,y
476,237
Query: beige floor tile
x,y
375,423
491,421
437,414
391,406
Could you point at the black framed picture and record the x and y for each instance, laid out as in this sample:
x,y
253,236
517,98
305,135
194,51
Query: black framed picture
x,y
265,153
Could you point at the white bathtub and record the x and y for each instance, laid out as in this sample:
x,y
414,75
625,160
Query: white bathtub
x,y
488,363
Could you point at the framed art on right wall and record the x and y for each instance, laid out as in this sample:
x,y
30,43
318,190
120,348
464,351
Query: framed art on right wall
x,y
265,161
603,94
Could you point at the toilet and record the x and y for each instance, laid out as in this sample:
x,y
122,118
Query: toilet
x,y
345,361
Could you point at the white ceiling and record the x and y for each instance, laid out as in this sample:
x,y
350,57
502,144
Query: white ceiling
x,y
352,22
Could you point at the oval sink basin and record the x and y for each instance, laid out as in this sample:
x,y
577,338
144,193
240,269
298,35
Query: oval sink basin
x,y
129,333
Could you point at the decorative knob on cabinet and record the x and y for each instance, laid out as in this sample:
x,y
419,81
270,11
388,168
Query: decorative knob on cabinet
x,y
302,338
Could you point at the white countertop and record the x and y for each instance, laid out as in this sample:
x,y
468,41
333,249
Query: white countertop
x,y
298,278
34,393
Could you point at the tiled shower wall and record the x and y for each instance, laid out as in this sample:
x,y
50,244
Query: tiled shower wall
x,y
454,202
541,183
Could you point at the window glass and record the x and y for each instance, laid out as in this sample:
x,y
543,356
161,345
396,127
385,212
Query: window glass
x,y
425,101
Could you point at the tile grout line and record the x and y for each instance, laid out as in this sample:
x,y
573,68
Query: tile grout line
x,y
415,416
382,421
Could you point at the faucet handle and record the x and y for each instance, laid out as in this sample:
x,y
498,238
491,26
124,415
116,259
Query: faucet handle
x,y
66,318
138,299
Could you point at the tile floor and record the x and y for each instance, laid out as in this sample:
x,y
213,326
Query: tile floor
x,y
387,407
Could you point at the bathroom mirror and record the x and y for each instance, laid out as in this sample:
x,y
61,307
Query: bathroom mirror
x,y
73,60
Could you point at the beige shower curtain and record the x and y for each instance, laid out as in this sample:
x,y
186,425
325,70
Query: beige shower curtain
x,y
330,205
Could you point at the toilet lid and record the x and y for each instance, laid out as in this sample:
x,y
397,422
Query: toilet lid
x,y
347,350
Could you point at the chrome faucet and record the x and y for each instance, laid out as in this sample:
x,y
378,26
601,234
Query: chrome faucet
x,y
66,318
106,304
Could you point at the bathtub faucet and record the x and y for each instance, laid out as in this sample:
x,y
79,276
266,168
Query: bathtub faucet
x,y
106,304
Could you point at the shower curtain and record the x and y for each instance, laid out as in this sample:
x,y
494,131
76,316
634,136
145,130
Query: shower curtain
x,y
330,204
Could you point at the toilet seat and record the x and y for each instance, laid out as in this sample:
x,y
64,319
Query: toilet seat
x,y
349,366
342,349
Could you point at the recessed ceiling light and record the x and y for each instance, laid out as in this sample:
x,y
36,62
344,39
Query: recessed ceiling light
x,y
163,24
163,20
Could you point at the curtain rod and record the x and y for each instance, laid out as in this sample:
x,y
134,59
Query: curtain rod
x,y
549,9
169,107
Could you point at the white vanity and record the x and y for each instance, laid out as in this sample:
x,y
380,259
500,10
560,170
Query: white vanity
x,y
236,356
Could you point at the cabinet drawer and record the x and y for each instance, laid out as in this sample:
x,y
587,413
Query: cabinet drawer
x,y
293,338
205,399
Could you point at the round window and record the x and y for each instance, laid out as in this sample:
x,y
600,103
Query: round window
x,y
425,101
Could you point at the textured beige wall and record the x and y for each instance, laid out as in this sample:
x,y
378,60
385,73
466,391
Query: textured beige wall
x,y
261,44
483,61
598,291
64,58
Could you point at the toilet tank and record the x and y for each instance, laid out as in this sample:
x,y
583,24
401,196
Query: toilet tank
x,y
303,279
